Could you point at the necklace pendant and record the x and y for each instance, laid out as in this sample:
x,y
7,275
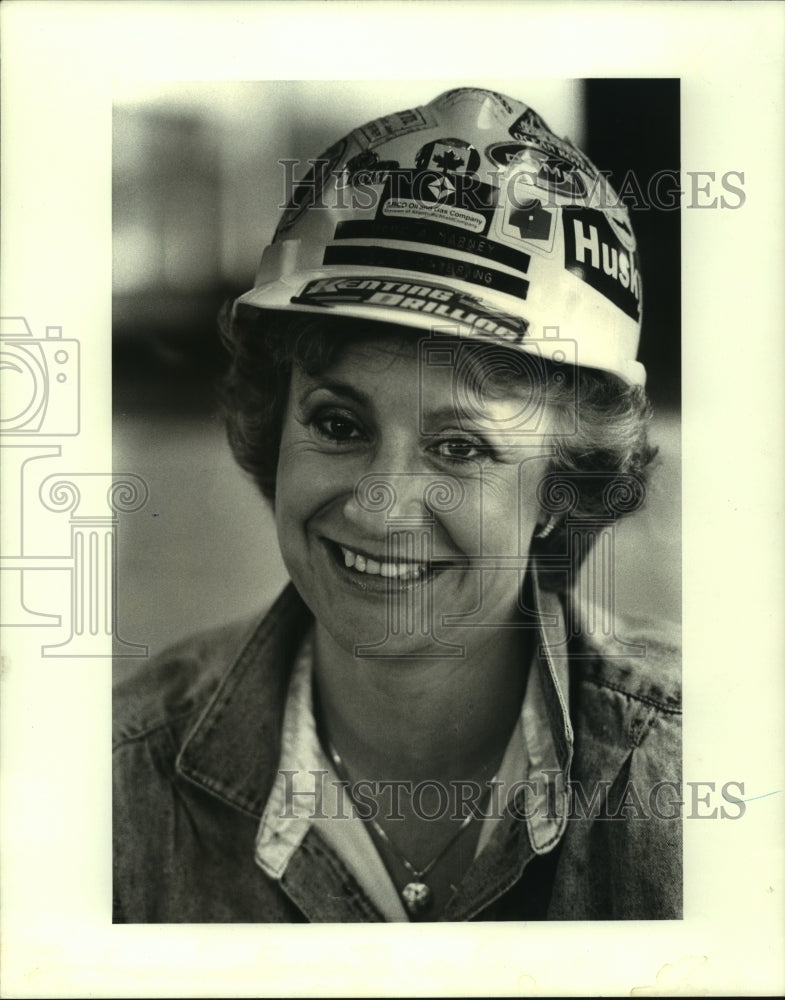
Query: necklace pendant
x,y
417,897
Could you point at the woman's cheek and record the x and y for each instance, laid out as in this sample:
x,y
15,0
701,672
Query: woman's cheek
x,y
510,508
301,470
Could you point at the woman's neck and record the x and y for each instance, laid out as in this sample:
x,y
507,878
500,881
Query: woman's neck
x,y
437,719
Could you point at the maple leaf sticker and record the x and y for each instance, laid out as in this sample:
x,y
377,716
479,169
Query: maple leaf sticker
x,y
448,160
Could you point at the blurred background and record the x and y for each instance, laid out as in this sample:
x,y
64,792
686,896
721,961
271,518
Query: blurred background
x,y
196,194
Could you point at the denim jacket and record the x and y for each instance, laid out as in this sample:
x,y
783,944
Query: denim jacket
x,y
196,754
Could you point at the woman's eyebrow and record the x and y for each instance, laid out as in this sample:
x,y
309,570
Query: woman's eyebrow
x,y
472,415
441,414
334,386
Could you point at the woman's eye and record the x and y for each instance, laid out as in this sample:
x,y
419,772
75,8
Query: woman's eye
x,y
337,427
461,450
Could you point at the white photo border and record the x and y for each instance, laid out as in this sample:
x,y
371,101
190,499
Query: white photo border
x,y
62,62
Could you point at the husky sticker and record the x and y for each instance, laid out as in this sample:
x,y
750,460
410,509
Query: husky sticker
x,y
594,254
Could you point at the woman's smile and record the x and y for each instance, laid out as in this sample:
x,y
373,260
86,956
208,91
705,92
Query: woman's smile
x,y
392,569
378,575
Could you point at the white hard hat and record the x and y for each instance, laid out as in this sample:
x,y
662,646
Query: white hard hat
x,y
465,214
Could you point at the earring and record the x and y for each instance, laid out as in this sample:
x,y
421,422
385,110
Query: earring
x,y
548,528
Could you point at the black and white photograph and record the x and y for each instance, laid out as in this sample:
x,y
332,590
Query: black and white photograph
x,y
392,527
465,702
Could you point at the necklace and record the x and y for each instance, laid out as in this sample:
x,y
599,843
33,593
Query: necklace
x,y
417,895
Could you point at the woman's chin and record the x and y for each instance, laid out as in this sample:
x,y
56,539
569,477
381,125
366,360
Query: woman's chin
x,y
368,639
374,617
370,615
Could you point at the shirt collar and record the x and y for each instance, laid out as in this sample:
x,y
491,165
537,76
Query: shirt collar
x,y
308,792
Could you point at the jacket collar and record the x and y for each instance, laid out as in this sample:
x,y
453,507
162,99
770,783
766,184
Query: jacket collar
x,y
233,750
547,728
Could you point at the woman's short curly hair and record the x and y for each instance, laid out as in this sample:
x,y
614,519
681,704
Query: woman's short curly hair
x,y
601,451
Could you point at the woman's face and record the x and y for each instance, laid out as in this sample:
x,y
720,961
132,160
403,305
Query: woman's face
x,y
406,493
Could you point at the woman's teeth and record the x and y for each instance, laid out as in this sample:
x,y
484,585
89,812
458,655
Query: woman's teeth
x,y
372,567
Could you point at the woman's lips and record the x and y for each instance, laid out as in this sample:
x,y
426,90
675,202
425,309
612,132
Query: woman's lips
x,y
377,571
400,570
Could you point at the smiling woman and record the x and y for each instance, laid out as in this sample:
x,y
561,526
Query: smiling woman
x,y
360,419
434,383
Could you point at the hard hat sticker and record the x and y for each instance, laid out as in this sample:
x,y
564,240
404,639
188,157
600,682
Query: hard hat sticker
x,y
553,146
439,235
504,153
450,156
365,169
620,223
420,297
415,260
458,199
548,171
593,253
407,208
310,188
527,122
530,222
397,124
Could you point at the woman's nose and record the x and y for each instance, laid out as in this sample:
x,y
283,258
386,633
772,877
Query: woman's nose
x,y
386,499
